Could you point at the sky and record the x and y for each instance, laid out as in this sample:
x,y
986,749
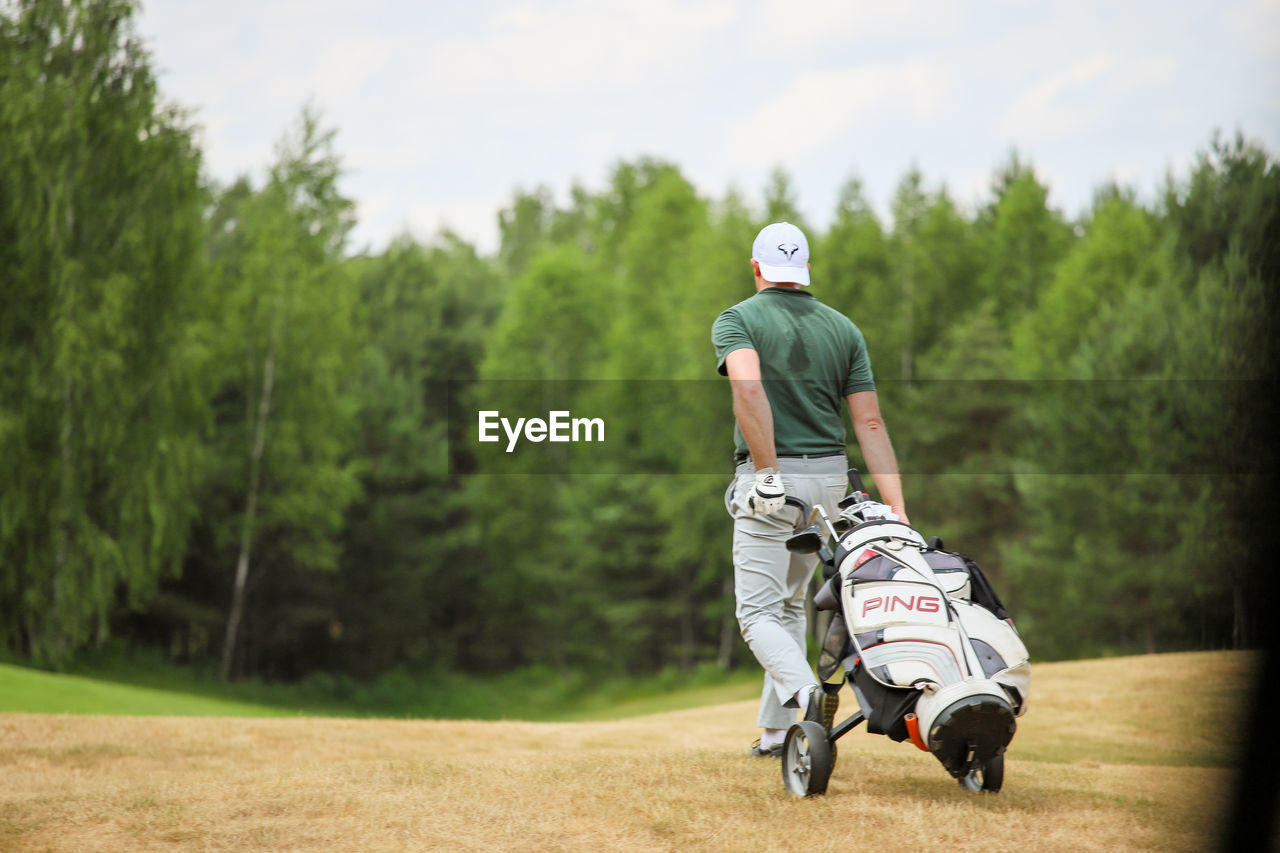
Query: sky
x,y
445,109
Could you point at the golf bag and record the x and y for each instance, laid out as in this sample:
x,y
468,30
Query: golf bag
x,y
920,636
926,645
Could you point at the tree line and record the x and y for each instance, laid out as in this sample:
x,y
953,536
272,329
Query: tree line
x,y
226,438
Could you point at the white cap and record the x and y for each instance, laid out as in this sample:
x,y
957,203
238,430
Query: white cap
x,y
782,252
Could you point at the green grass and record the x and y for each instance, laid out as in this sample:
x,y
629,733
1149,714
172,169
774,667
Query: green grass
x,y
32,691
145,688
626,699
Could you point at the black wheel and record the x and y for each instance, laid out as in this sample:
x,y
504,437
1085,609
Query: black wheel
x,y
989,778
806,759
970,732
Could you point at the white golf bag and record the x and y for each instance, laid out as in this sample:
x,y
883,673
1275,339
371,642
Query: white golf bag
x,y
922,639
918,638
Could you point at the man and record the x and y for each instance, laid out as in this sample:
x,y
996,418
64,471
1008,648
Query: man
x,y
794,364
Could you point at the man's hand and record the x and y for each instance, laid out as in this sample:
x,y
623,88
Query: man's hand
x,y
766,496
901,513
869,509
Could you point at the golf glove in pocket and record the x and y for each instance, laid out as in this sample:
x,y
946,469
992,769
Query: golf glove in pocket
x,y
767,495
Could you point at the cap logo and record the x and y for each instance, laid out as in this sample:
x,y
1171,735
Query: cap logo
x,y
788,249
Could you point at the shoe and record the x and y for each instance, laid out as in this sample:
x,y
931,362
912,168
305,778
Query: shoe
x,y
758,751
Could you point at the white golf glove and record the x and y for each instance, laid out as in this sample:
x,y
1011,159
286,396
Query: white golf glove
x,y
767,495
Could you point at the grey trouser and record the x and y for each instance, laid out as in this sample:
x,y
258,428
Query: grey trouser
x,y
770,583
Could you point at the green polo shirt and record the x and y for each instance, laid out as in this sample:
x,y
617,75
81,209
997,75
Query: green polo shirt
x,y
811,356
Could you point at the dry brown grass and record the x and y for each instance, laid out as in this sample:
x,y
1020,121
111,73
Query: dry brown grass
x,y
1113,755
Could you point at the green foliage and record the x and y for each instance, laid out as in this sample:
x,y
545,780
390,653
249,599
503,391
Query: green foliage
x,y
933,265
1132,301
286,347
146,686
1024,241
852,263
780,203
1123,253
101,358
201,383
405,564
29,691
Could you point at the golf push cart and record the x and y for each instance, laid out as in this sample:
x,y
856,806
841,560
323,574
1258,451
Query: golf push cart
x,y
922,639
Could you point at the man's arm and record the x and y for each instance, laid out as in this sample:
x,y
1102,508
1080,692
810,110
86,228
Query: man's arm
x,y
751,406
873,438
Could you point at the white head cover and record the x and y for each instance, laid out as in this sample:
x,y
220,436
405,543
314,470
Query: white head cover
x,y
783,253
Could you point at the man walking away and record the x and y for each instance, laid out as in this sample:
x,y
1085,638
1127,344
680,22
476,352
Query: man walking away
x,y
794,364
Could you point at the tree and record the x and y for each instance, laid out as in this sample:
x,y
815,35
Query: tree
x,y
523,227
404,594
285,411
933,270
780,203
1022,239
676,277
1226,228
851,269
1103,469
701,417
101,356
542,596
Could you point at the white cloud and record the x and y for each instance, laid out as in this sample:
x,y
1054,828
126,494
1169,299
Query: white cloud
x,y
1040,111
781,27
1083,96
600,144
1256,23
442,109
396,153
1149,73
821,106
562,47
1123,174
348,66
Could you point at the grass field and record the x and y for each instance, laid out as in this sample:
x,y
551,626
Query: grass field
x,y
1117,754
528,695
48,693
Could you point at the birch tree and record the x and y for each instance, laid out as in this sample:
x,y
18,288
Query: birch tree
x,y
100,346
286,472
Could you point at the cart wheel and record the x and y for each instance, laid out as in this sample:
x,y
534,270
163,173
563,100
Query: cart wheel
x,y
989,778
806,760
